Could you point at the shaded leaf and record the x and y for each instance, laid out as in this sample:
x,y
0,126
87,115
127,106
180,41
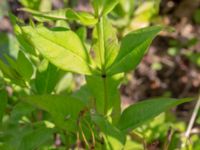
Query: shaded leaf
x,y
139,113
9,72
82,33
114,138
25,67
46,78
64,109
36,138
105,94
3,103
65,83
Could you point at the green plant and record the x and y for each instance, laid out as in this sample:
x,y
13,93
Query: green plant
x,y
90,117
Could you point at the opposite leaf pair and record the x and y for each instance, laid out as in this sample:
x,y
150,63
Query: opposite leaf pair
x,y
64,48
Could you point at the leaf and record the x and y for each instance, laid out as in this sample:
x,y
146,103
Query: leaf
x,y
109,5
114,138
105,93
133,47
3,103
64,109
139,113
110,44
30,4
12,74
62,47
46,78
23,42
45,5
103,7
82,33
11,62
36,138
83,94
8,45
47,16
9,72
25,67
65,84
83,17
22,65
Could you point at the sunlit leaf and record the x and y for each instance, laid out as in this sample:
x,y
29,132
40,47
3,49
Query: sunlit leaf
x,y
110,45
47,16
62,47
133,47
83,17
103,7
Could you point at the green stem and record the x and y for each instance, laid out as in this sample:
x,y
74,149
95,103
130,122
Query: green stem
x,y
100,33
191,123
192,119
105,96
101,43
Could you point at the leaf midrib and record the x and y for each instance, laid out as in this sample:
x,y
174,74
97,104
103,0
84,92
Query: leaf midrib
x,y
116,62
73,53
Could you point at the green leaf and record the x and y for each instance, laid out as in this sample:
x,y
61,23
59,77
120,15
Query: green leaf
x,y
11,62
23,42
105,93
109,5
45,5
25,67
64,109
9,72
3,102
47,77
34,4
83,94
83,17
110,49
82,33
36,138
103,7
47,16
133,47
65,84
114,138
62,47
139,113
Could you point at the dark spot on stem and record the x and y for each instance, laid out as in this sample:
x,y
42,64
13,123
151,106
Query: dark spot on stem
x,y
103,76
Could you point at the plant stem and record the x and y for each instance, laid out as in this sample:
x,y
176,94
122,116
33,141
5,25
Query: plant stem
x,y
101,43
105,96
102,59
192,121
